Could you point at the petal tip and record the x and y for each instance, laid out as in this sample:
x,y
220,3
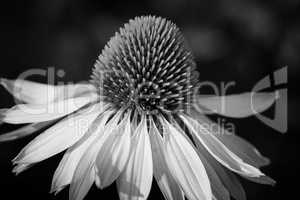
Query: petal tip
x,y
55,190
16,160
2,80
6,83
19,168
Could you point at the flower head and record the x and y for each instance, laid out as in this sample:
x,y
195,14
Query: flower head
x,y
146,66
137,119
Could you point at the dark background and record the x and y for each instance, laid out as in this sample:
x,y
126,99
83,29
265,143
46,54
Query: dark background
x,y
241,41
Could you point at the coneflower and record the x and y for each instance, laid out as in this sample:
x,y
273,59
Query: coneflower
x,y
137,119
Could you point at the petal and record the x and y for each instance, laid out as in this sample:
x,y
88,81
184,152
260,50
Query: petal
x,y
21,167
241,105
233,184
23,131
135,181
134,122
64,172
243,149
262,180
85,173
218,189
30,113
38,93
165,180
82,185
114,153
229,179
218,150
185,165
2,114
59,137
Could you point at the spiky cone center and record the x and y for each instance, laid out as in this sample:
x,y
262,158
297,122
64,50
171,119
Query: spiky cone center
x,y
146,66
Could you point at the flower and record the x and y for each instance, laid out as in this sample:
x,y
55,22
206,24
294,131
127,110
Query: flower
x,y
137,119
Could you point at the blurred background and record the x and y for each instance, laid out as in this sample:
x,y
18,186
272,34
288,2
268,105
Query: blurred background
x,y
241,41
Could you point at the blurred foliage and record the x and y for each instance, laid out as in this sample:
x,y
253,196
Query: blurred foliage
x,y
242,35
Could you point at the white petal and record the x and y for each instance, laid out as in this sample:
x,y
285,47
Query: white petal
x,y
23,131
64,172
20,168
231,182
82,184
2,114
229,179
218,189
85,173
135,181
134,123
114,153
165,180
38,93
185,165
59,137
241,105
218,150
243,149
262,180
30,113
246,151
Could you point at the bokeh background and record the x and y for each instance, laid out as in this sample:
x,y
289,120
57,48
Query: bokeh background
x,y
241,41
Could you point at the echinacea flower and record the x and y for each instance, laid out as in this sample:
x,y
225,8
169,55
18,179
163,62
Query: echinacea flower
x,y
141,120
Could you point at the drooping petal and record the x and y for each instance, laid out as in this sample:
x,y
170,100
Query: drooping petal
x,y
38,93
243,149
31,113
23,131
134,122
165,180
241,105
83,184
21,167
218,189
135,181
114,153
185,165
229,179
262,180
2,114
218,150
85,172
59,137
65,171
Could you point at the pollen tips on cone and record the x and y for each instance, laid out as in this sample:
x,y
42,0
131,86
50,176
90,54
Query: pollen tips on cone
x,y
148,65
